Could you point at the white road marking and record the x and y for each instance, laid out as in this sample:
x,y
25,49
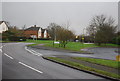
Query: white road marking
x,y
36,53
0,50
1,47
8,56
31,67
33,52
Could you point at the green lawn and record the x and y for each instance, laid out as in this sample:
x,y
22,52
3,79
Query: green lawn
x,y
109,45
74,46
36,42
80,66
109,63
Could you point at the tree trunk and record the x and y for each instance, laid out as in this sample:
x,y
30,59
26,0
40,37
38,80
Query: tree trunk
x,y
53,43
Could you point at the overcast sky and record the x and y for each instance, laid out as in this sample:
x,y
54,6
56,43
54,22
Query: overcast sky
x,y
78,14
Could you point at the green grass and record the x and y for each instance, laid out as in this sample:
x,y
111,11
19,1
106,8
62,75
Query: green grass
x,y
74,46
109,45
109,63
36,42
80,66
1,41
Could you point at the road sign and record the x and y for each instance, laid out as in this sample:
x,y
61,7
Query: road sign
x,y
118,58
82,38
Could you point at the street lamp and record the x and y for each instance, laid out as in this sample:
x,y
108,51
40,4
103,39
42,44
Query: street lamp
x,y
94,33
83,35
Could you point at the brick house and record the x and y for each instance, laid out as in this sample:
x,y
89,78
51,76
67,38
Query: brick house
x,y
3,26
36,32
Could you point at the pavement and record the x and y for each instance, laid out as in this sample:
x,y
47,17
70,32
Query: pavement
x,y
96,66
92,65
20,62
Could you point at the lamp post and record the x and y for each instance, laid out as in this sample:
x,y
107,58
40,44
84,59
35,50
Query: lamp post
x,y
94,33
83,35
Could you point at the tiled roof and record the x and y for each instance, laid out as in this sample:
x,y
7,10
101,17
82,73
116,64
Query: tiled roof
x,y
34,28
43,30
4,22
1,22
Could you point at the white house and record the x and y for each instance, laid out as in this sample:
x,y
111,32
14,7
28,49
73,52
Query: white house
x,y
3,26
45,34
36,32
40,33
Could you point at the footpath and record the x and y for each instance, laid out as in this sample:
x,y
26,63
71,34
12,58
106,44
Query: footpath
x,y
88,64
92,65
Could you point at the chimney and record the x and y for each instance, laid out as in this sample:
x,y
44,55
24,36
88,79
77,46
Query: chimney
x,y
34,25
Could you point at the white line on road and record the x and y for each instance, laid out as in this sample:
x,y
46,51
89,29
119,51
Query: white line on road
x,y
31,67
36,53
8,56
0,50
33,52
1,47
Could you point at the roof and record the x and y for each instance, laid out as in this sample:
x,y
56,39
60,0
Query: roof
x,y
4,22
1,22
34,28
43,30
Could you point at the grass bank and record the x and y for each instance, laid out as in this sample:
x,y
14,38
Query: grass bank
x,y
80,66
108,63
74,46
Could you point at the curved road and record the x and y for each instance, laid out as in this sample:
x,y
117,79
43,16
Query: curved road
x,y
20,62
99,52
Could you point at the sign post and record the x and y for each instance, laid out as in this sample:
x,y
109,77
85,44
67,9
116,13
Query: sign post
x,y
118,58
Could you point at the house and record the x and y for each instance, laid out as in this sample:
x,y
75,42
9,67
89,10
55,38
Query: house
x,y
3,26
36,32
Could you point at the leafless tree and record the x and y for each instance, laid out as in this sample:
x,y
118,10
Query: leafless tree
x,y
65,35
60,33
102,29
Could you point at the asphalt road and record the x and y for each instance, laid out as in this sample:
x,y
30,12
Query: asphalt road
x,y
19,62
103,53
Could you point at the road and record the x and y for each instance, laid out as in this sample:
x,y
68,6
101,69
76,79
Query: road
x,y
19,62
103,53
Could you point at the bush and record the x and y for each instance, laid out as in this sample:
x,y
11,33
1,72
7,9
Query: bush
x,y
13,38
39,38
116,40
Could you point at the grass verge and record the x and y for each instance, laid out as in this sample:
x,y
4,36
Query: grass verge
x,y
109,63
73,46
80,66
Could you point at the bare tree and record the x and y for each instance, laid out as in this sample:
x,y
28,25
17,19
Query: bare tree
x,y
102,29
65,35
52,30
60,33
